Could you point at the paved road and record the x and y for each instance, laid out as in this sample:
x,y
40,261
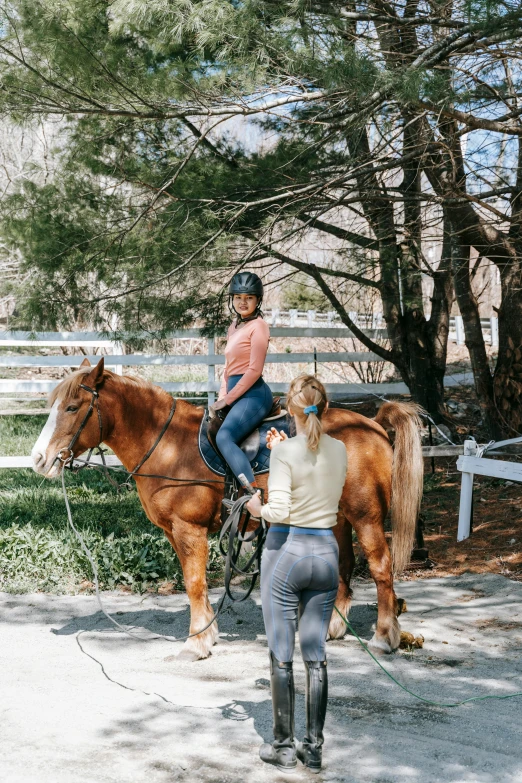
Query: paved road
x,y
83,704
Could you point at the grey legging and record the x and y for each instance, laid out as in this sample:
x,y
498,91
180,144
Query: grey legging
x,y
299,575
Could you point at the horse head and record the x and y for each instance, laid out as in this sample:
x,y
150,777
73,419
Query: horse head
x,y
73,425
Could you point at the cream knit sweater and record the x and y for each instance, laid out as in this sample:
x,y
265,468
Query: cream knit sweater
x,y
304,486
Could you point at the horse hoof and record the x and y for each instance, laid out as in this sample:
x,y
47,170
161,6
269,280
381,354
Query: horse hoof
x,y
188,655
379,645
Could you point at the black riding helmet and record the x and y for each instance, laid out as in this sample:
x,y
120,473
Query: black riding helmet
x,y
246,283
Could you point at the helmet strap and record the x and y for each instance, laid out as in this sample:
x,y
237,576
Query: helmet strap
x,y
239,318
249,317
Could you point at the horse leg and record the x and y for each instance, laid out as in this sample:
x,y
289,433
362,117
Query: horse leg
x,y
370,533
343,534
191,545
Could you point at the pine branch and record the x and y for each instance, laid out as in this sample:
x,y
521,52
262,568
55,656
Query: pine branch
x,y
342,233
500,125
308,268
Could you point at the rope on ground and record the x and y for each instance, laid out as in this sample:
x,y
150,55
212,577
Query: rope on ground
x,y
416,695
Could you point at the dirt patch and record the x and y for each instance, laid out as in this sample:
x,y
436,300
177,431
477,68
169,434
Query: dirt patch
x,y
495,545
497,625
476,593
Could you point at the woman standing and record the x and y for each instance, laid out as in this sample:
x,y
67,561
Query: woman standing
x,y
300,568
243,388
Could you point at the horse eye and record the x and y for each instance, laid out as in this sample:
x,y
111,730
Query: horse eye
x,y
72,409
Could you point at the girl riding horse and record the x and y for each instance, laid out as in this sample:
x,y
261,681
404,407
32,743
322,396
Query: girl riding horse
x,y
243,392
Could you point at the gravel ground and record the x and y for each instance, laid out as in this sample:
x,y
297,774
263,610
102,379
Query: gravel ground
x,y
83,704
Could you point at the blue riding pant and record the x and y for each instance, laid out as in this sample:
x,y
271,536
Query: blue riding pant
x,y
299,579
246,413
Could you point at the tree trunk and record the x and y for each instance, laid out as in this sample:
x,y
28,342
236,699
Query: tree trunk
x,y
475,339
424,373
508,372
418,346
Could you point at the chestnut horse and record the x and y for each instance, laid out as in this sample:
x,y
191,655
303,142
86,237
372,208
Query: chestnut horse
x,y
132,413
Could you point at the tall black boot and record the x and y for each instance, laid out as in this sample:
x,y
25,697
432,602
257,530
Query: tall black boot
x,y
310,750
281,753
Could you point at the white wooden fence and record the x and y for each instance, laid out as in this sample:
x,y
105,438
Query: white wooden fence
x,y
373,321
211,359
472,463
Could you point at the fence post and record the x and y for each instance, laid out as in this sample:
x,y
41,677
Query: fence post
x,y
275,316
211,377
493,322
117,348
466,495
293,317
459,328
330,315
311,318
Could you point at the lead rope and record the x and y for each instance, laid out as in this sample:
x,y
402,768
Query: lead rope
x,y
231,557
404,688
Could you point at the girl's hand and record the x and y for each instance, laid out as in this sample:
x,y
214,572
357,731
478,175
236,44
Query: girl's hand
x,y
273,437
254,505
218,406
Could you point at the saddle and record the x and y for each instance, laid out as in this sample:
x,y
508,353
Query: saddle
x,y
254,446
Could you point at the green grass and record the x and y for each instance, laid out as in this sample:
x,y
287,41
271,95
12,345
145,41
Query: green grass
x,y
39,552
18,434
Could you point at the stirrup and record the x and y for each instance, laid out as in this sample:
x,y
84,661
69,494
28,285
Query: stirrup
x,y
247,486
231,493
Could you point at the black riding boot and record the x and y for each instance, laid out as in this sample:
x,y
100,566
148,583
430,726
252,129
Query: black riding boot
x,y
310,750
281,753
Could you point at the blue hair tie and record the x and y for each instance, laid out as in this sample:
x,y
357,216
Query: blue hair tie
x,y
310,409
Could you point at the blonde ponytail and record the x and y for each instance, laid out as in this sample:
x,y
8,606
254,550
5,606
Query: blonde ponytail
x,y
307,396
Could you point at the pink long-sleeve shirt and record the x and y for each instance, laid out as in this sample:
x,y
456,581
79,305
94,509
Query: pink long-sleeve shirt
x,y
245,355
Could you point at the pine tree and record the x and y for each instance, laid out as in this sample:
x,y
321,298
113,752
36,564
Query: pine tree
x,y
362,110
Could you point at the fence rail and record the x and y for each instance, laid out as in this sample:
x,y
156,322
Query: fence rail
x,y
110,459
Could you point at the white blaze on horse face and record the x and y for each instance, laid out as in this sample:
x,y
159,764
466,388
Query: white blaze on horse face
x,y
39,452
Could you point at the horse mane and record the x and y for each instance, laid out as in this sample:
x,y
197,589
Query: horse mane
x,y
69,387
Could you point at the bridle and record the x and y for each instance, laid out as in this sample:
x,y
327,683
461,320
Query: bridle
x,y
94,403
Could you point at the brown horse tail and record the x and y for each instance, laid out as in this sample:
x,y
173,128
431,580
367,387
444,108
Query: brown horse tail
x,y
407,475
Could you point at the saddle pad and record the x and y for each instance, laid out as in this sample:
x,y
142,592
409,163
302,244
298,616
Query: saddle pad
x,y
260,463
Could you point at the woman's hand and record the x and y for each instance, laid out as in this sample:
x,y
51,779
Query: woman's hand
x,y
254,505
273,437
218,406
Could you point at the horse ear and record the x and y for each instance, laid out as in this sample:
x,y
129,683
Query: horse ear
x,y
95,377
85,363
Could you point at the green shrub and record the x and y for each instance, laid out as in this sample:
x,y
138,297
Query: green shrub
x,y
39,551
